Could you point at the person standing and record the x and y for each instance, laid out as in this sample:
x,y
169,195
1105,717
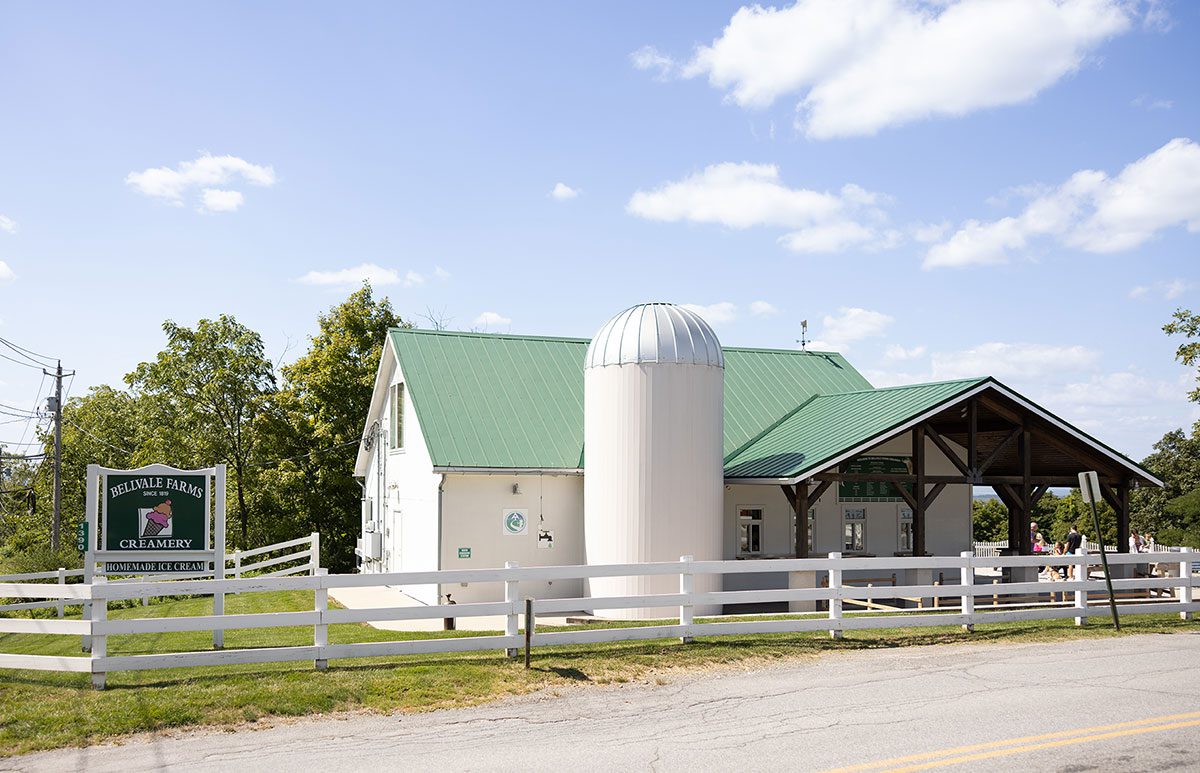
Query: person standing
x,y
1074,540
1135,542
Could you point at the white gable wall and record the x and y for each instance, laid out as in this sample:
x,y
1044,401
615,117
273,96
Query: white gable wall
x,y
404,492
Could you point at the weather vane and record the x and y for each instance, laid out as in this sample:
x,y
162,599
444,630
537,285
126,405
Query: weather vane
x,y
803,341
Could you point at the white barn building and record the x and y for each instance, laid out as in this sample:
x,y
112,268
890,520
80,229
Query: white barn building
x,y
653,441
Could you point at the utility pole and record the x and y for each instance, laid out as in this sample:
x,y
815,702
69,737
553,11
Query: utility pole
x,y
57,407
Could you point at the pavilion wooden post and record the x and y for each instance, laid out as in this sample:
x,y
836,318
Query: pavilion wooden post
x,y
1118,499
1026,488
918,455
802,546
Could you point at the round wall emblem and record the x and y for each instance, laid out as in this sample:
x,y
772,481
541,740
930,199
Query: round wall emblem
x,y
514,522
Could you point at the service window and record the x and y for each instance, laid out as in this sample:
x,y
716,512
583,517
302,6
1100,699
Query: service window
x,y
396,417
855,530
906,530
750,524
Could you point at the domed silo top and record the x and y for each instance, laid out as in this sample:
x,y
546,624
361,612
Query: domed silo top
x,y
655,333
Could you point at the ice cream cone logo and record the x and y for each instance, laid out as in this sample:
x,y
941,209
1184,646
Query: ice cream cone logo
x,y
156,520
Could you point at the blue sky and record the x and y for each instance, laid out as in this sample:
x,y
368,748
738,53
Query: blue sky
x,y
941,189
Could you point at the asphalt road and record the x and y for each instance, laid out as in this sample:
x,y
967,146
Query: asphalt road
x,y
1128,704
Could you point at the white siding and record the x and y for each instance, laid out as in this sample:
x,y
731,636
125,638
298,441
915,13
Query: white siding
x,y
404,493
472,508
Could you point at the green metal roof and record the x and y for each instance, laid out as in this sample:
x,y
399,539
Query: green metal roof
x,y
827,425
507,401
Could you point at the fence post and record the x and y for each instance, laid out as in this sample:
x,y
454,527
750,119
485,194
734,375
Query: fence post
x,y
237,564
835,598
89,574
314,553
321,629
99,640
530,622
1081,596
1185,582
687,585
62,580
967,579
512,595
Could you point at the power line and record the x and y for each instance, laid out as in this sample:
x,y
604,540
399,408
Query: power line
x,y
95,437
305,456
25,352
36,401
20,362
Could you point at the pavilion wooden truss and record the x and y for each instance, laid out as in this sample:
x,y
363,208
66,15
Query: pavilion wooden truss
x,y
993,437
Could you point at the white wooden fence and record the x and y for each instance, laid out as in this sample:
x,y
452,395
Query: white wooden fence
x,y
1084,591
302,556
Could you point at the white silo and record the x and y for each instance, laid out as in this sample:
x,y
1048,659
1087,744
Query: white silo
x,y
653,434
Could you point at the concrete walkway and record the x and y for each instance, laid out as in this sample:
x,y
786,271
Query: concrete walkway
x,y
383,596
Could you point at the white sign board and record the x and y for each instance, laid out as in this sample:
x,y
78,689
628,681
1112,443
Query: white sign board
x,y
1089,487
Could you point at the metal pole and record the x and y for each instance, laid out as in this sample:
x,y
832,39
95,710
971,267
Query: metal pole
x,y
1112,601
54,524
528,628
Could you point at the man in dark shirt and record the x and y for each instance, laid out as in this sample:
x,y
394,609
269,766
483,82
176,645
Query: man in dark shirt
x,y
1074,541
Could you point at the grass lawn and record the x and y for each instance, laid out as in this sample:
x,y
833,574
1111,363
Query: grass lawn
x,y
46,710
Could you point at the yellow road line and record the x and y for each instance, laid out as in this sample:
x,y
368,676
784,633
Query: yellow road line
x,y
1061,734
1047,745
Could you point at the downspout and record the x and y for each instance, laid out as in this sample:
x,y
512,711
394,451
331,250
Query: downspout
x,y
441,527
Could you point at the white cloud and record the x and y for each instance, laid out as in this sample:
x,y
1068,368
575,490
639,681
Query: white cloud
x,y
1017,360
491,319
7,275
743,195
7,224
762,309
216,200
926,233
1147,102
897,353
1123,389
365,272
563,192
1090,211
650,58
1175,288
858,67
1169,290
716,313
849,325
413,279
205,172
441,273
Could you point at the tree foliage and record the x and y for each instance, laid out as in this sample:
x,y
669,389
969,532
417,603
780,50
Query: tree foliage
x,y
211,396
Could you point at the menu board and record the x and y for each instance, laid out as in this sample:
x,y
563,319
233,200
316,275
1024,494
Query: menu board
x,y
873,491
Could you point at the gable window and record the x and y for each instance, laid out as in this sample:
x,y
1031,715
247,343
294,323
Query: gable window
x,y
855,530
396,417
750,521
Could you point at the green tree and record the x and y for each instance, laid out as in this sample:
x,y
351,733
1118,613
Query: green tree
x,y
316,423
990,518
98,428
1187,324
206,390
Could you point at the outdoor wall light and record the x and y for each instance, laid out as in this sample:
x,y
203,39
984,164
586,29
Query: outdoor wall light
x,y
516,488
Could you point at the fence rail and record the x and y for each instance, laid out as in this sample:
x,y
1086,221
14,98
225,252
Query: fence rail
x,y
309,553
957,602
